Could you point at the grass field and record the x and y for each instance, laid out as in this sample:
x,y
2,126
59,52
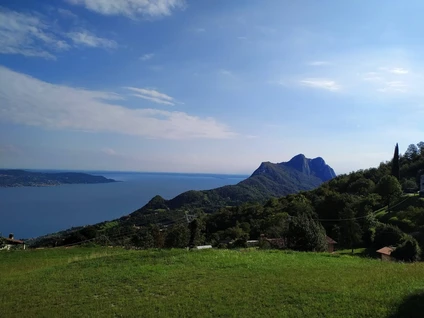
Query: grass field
x,y
113,282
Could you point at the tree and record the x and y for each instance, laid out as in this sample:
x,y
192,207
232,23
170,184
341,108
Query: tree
x,y
420,146
387,235
409,185
395,163
351,230
412,152
305,234
196,228
408,250
177,236
389,188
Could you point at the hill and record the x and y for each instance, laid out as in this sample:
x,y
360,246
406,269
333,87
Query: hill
x,y
23,178
268,180
114,282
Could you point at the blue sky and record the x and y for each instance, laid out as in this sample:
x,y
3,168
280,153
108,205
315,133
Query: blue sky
x,y
208,86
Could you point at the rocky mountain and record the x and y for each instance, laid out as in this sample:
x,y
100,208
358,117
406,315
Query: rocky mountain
x,y
268,180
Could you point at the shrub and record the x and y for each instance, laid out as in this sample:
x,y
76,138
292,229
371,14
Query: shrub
x,y
408,250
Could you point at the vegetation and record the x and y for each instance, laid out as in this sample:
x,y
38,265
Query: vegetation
x,y
114,282
22,178
361,209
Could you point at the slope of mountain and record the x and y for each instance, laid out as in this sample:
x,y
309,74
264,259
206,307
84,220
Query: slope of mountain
x,y
269,180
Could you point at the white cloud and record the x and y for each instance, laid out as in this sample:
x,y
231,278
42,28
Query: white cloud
x,y
67,13
318,63
131,8
33,35
147,56
109,151
85,38
28,35
199,30
321,83
398,70
226,72
393,86
29,101
152,95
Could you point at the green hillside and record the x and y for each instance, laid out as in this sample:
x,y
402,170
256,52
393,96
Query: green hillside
x,y
113,282
368,208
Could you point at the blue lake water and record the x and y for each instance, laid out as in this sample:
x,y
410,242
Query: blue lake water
x,y
33,211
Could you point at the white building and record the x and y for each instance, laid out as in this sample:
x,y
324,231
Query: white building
x,y
422,186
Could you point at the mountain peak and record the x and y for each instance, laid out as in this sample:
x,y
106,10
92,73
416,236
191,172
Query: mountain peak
x,y
316,167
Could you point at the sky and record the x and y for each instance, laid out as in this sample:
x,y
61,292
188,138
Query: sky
x,y
212,86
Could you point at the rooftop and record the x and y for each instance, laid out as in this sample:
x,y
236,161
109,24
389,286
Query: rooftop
x,y
387,250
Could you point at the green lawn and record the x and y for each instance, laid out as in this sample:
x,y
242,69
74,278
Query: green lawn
x,y
113,282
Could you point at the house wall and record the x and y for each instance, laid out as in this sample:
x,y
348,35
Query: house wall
x,y
386,258
330,248
422,186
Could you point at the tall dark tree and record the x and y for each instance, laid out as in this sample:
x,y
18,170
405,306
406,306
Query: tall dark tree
x,y
395,163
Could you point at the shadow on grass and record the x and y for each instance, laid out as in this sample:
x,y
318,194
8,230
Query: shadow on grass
x,y
412,307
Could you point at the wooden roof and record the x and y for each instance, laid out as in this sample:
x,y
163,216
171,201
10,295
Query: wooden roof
x,y
387,250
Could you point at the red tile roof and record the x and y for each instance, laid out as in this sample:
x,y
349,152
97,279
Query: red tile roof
x,y
12,241
330,240
386,250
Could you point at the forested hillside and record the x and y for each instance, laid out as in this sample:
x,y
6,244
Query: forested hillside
x,y
368,208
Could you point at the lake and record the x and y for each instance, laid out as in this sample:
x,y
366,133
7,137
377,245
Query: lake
x,y
34,211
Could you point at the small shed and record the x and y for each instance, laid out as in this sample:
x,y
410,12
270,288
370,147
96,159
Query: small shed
x,y
10,242
202,247
385,253
252,243
330,244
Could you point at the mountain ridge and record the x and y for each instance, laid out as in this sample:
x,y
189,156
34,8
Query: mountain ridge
x,y
268,180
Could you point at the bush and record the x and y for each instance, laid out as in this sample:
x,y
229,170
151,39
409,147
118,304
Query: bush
x,y
387,235
408,251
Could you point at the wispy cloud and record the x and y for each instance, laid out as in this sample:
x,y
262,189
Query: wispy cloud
x,y
152,95
319,63
67,108
109,151
397,70
320,83
146,57
67,13
132,8
85,38
33,35
28,35
199,30
226,72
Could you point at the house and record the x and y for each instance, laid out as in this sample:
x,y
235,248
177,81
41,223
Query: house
x,y
385,253
10,242
422,186
330,244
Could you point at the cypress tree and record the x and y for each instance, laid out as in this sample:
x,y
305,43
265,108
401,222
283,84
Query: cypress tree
x,y
395,163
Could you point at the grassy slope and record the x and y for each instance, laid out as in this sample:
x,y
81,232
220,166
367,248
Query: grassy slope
x,y
105,282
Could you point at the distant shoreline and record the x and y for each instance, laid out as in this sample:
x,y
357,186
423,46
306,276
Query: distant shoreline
x,y
23,178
